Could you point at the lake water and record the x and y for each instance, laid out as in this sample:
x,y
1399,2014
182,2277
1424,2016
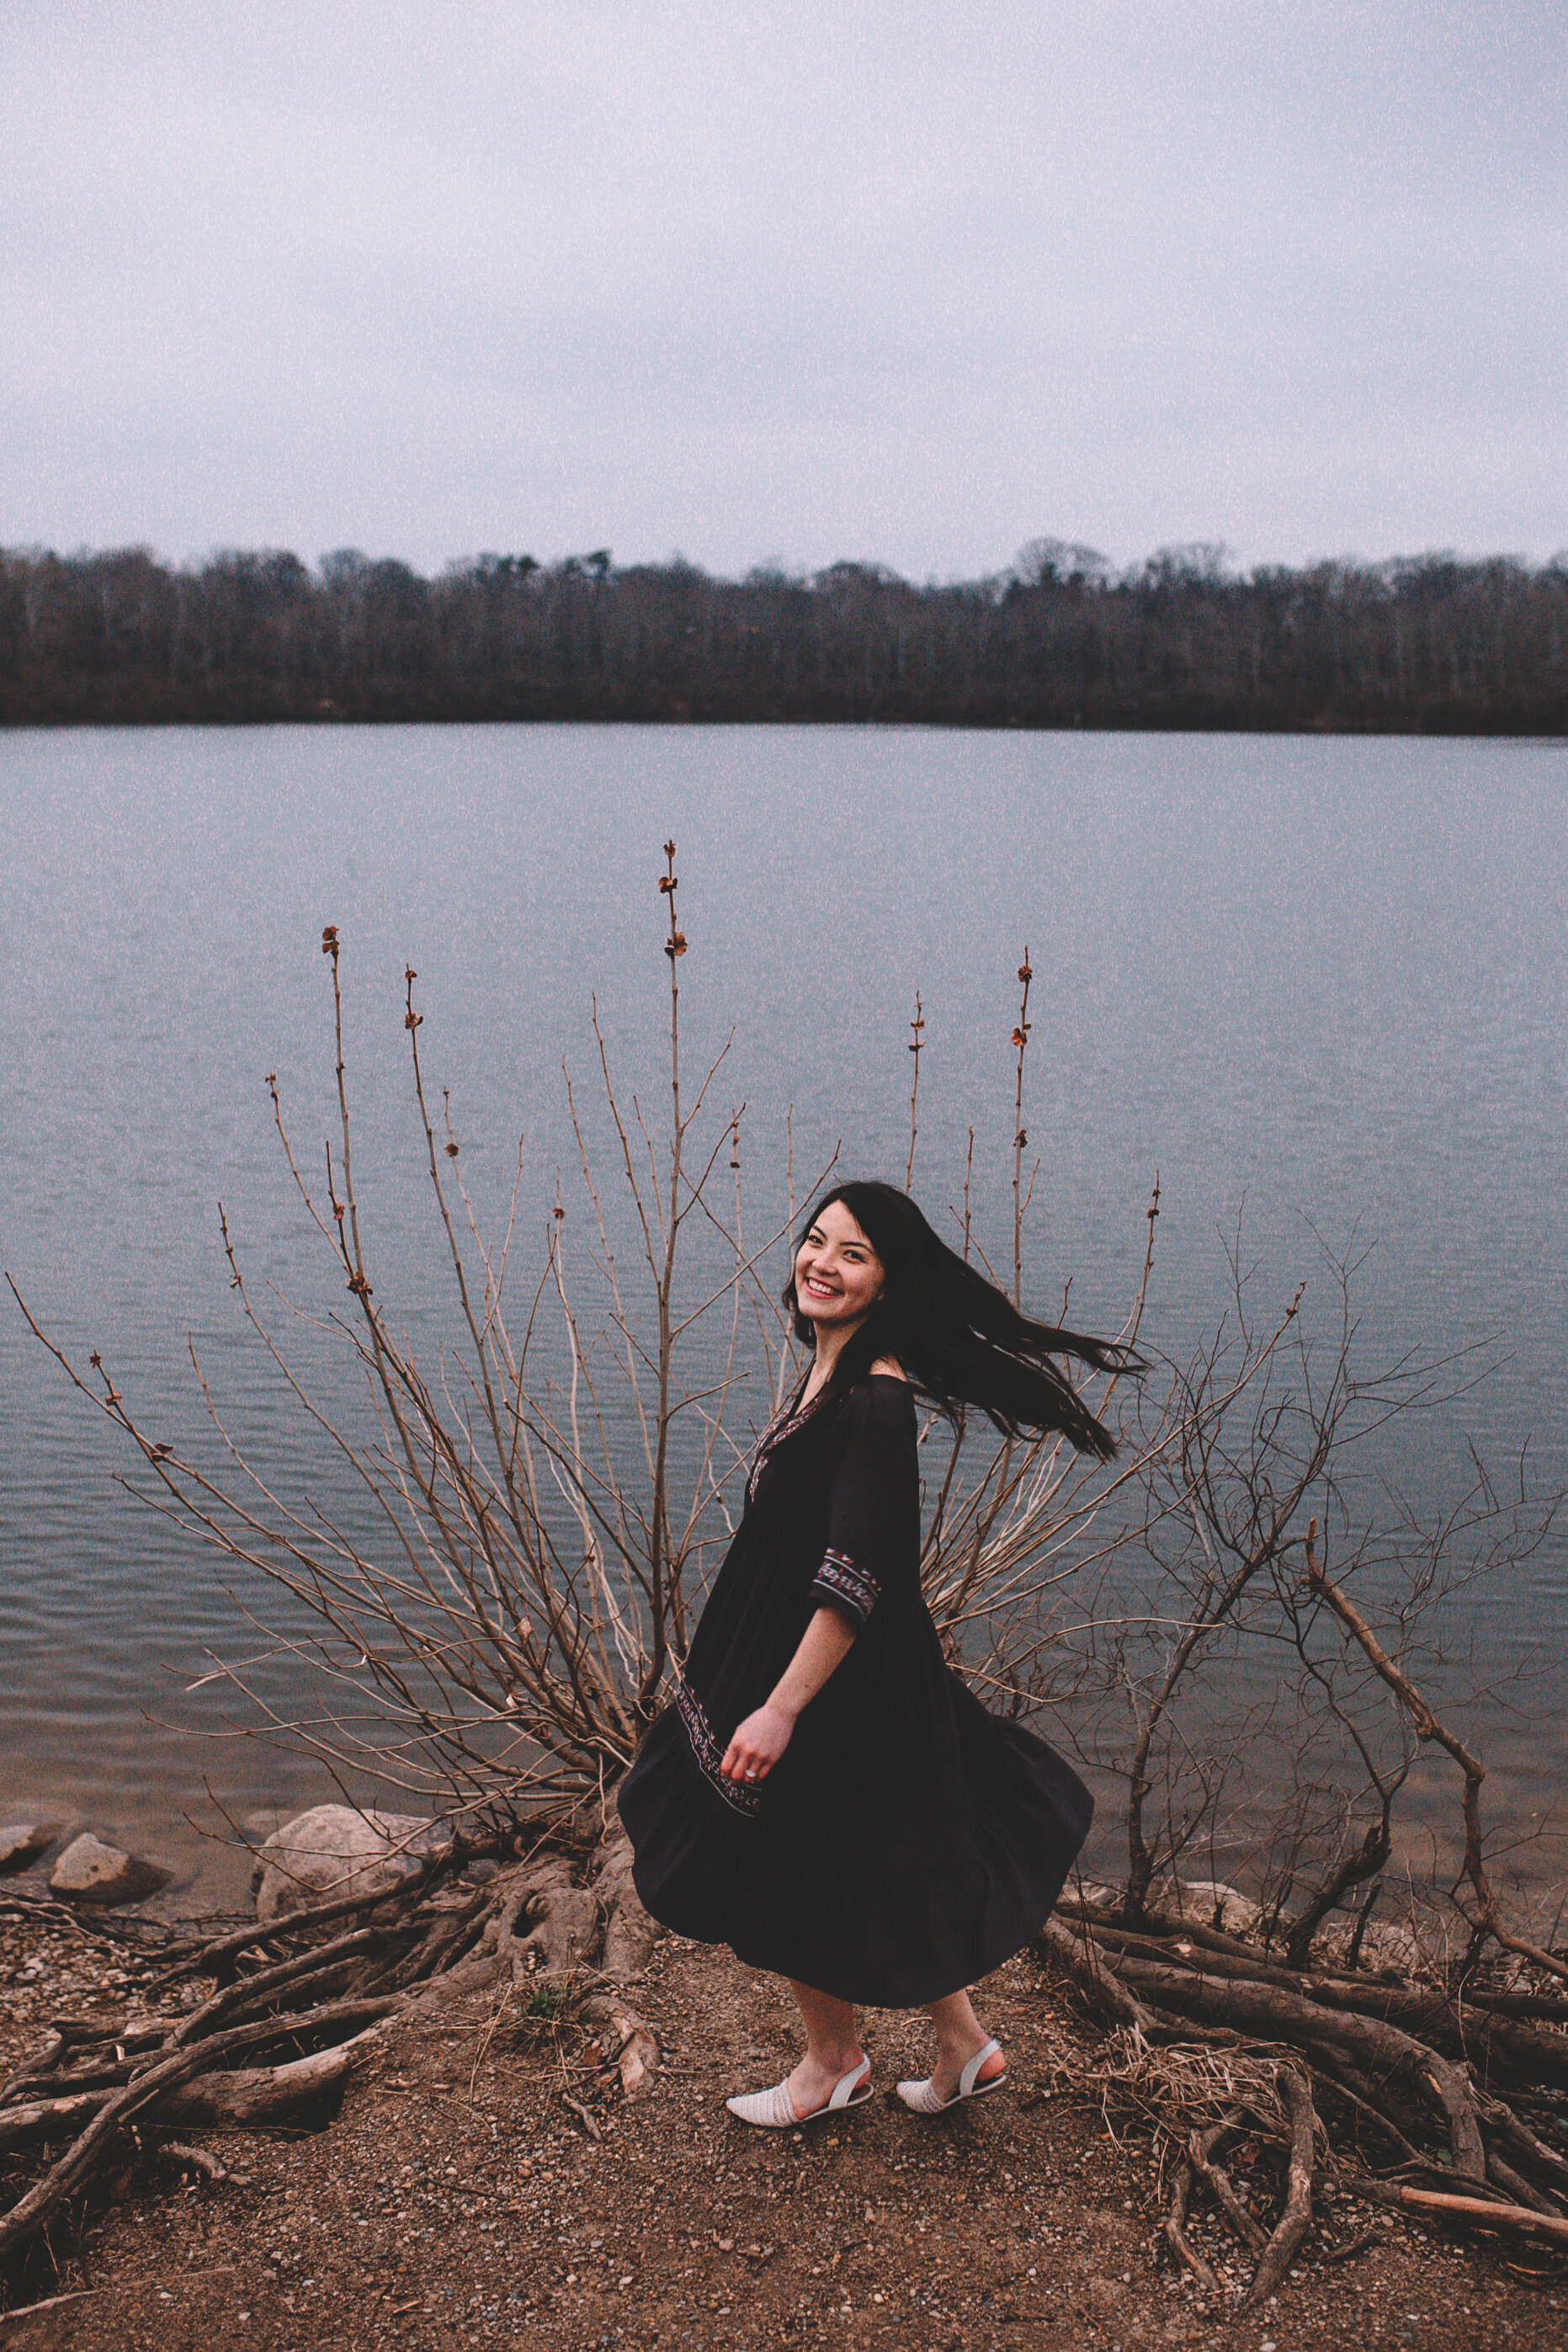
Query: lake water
x,y
1310,981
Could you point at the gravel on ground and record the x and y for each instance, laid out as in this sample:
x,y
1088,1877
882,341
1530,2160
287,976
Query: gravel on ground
x,y
453,2200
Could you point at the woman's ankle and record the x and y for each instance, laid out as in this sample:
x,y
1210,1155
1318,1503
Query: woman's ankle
x,y
834,2063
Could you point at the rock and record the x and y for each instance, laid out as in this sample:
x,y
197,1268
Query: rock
x,y
23,1842
91,1872
1387,1950
333,1852
1209,1902
1093,1896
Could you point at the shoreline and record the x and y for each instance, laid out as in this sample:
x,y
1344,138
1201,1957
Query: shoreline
x,y
210,1870
1326,729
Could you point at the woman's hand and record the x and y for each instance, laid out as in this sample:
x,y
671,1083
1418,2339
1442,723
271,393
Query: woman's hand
x,y
761,1739
758,1743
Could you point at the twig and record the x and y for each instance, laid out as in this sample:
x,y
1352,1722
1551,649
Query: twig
x,y
918,1026
1175,2231
1201,2155
590,2124
50,2303
1357,2245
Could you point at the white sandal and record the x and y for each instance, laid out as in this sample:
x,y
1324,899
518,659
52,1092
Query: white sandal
x,y
774,2110
923,2099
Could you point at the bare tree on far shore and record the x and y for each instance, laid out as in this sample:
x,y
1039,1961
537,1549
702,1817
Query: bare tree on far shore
x,y
1421,644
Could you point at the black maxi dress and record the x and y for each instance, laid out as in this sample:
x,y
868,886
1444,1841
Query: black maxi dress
x,y
906,1842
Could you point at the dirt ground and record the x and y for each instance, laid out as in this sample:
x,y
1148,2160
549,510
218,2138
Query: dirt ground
x,y
453,2200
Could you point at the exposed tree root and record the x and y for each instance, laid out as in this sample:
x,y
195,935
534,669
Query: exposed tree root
x,y
142,2094
1202,2155
1202,2018
534,1925
1098,1981
1297,2217
1175,2231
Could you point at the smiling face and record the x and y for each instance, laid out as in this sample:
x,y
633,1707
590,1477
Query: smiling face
x,y
839,1277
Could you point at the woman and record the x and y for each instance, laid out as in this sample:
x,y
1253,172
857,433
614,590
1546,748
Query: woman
x,y
825,1795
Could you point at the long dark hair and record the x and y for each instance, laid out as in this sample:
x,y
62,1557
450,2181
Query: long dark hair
x,y
960,1340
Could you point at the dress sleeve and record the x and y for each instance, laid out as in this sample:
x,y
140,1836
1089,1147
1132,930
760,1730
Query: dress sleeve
x,y
873,1506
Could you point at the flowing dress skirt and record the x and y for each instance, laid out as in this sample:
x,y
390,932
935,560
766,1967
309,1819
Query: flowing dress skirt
x,y
907,1842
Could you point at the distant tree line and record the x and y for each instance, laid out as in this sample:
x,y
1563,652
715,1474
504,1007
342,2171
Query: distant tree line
x,y
1420,644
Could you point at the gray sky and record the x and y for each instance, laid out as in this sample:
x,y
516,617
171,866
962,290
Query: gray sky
x,y
907,279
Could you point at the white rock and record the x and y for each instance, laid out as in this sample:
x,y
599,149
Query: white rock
x,y
1093,1896
1209,1902
334,1851
1387,1945
23,1842
1386,1948
91,1872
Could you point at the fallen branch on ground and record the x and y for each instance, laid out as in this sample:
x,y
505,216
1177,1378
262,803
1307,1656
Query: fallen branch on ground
x,y
1214,2035
420,1945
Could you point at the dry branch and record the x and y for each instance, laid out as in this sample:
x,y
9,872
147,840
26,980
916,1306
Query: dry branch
x,y
1297,2219
1367,2065
1202,2154
1175,2231
205,1955
1270,2013
76,2168
1100,1984
1480,2210
1429,1726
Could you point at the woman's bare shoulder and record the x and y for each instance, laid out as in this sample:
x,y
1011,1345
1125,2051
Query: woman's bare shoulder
x,y
888,1368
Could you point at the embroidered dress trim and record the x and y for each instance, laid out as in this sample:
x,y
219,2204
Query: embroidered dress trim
x,y
848,1587
709,1755
782,1425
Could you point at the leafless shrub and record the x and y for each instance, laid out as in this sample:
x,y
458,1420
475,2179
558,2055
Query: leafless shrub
x,y
524,1508
1232,1624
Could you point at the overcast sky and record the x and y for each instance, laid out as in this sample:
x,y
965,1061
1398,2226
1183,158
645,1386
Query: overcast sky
x,y
915,280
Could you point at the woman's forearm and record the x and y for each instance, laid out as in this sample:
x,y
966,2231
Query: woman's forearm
x,y
761,1739
824,1646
